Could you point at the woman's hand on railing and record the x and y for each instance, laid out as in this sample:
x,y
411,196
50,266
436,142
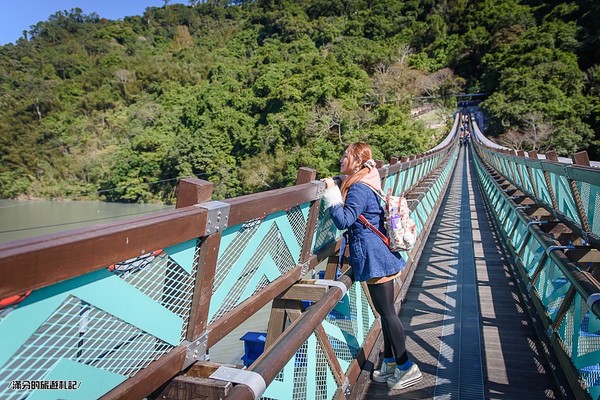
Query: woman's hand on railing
x,y
329,182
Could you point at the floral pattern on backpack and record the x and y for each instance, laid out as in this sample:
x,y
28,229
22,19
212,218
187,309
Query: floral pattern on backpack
x,y
401,229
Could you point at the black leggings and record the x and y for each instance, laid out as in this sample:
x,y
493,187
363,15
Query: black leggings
x,y
394,338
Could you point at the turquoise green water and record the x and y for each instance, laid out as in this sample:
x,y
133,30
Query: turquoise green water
x,y
23,219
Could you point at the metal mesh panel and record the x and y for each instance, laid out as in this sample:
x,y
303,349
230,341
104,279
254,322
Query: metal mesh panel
x,y
323,374
248,264
82,333
360,302
343,350
514,168
367,315
503,210
510,220
307,375
499,204
590,198
326,232
402,184
540,182
564,197
163,280
235,249
410,178
589,343
344,322
519,234
300,372
298,223
419,216
552,285
428,200
527,185
532,255
389,183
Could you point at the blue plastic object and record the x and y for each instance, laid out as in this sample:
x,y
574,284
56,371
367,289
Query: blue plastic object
x,y
338,273
254,345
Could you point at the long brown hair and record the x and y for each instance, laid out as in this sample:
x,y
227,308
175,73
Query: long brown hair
x,y
357,153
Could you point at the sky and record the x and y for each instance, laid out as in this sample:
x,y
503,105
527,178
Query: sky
x,y
17,16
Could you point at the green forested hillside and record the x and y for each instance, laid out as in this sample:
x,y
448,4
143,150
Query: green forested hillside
x,y
243,93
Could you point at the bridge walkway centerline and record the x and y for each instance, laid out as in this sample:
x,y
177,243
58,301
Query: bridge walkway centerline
x,y
466,324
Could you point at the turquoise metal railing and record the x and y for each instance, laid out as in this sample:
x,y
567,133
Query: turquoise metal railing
x,y
564,292
136,302
99,328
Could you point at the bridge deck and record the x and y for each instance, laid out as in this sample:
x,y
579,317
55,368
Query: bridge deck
x,y
466,325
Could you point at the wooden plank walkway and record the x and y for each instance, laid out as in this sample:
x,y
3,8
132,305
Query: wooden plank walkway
x,y
466,325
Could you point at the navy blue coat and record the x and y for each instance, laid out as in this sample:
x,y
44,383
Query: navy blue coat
x,y
369,256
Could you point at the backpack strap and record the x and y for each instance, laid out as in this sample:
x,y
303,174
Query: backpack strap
x,y
362,219
379,193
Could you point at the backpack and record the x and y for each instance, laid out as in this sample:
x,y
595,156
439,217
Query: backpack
x,y
401,228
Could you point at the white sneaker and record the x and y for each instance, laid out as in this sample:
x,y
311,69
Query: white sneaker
x,y
404,379
386,371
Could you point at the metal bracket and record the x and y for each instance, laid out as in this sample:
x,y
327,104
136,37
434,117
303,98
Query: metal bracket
x,y
195,350
386,169
253,380
521,207
320,188
304,269
218,215
346,388
592,298
552,248
585,236
330,282
530,223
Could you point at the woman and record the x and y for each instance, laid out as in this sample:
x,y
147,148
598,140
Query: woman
x,y
370,259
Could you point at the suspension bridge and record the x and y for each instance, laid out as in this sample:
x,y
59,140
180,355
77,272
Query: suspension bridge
x,y
500,297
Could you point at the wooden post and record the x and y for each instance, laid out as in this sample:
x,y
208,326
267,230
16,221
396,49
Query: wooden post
x,y
193,191
551,155
205,277
581,158
305,175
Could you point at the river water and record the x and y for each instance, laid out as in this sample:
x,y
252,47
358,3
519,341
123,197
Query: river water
x,y
23,219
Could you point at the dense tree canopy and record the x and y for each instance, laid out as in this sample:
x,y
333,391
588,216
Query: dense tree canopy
x,y
243,93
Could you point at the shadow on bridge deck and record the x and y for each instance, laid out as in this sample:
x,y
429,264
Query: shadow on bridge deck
x,y
466,324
